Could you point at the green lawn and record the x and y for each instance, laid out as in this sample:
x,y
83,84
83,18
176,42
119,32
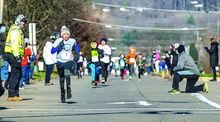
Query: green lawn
x,y
41,75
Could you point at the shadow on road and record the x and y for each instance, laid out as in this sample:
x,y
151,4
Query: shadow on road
x,y
71,102
26,99
3,108
164,112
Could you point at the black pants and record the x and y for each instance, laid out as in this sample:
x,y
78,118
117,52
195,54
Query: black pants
x,y
15,75
64,74
2,90
122,72
140,72
131,69
190,85
104,69
214,72
49,70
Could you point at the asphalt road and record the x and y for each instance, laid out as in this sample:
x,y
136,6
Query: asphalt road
x,y
117,101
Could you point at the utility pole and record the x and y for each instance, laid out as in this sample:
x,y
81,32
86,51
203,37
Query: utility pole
x,y
1,10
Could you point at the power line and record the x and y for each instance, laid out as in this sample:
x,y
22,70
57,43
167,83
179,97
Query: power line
x,y
152,9
139,28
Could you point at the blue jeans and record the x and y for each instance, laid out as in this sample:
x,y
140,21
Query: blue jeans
x,y
148,70
49,69
23,76
131,69
31,72
4,71
95,71
27,74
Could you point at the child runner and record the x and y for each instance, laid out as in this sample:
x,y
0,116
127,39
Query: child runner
x,y
131,59
140,64
64,47
80,64
94,61
106,59
122,65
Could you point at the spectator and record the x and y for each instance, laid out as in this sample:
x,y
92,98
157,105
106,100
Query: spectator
x,y
213,56
157,61
173,56
31,64
49,59
14,51
24,67
186,68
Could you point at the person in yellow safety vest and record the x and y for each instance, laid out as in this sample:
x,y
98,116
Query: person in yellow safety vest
x,y
14,50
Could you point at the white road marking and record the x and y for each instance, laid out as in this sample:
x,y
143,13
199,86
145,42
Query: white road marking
x,y
143,103
204,99
111,109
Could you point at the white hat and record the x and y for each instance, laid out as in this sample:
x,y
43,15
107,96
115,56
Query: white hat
x,y
20,18
176,45
64,29
26,40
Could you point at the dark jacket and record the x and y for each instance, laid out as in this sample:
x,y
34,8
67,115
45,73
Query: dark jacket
x,y
213,54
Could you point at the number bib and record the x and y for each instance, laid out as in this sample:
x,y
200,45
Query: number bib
x,y
66,55
132,60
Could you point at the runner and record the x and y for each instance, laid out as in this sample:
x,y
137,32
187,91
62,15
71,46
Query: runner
x,y
105,60
94,62
63,47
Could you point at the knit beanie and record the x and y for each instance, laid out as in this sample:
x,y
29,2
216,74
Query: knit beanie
x,y
181,49
104,39
64,29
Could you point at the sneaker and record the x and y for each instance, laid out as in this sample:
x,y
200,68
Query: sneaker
x,y
18,98
206,87
139,79
130,78
214,79
14,99
93,82
63,99
69,95
21,88
103,80
11,99
174,91
48,84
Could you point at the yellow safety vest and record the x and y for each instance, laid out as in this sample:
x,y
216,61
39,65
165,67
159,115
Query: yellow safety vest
x,y
14,41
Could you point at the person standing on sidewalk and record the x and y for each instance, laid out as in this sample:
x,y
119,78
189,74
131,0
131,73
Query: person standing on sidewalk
x,y
24,67
213,56
14,50
49,59
186,68
63,47
105,61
